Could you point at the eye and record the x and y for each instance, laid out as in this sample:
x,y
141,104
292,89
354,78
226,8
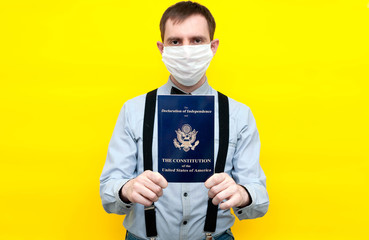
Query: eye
x,y
197,41
175,42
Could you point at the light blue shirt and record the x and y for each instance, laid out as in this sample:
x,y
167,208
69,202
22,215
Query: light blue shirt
x,y
181,211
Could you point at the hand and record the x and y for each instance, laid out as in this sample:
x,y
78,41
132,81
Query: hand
x,y
222,187
144,189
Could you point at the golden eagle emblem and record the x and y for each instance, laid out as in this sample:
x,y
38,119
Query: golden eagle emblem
x,y
186,137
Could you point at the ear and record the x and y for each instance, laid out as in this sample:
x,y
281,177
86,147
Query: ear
x,y
160,46
214,45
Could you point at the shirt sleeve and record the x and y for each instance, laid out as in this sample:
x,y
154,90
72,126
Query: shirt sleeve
x,y
122,151
246,167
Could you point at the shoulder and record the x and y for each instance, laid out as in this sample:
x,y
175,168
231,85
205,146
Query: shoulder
x,y
133,109
236,108
240,114
135,105
132,114
136,102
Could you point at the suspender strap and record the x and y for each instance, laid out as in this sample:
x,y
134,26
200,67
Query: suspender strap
x,y
223,113
223,132
148,131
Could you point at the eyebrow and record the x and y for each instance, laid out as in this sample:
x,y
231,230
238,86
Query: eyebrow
x,y
192,38
173,39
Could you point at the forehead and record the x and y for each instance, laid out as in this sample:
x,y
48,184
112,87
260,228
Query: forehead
x,y
194,25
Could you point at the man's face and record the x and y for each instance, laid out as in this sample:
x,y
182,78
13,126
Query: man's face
x,y
193,30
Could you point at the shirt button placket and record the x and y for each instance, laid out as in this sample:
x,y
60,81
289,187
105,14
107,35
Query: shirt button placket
x,y
186,211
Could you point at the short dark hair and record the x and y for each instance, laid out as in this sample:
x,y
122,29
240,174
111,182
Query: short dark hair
x,y
182,10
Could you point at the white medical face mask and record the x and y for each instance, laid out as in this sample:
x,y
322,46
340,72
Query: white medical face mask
x,y
187,63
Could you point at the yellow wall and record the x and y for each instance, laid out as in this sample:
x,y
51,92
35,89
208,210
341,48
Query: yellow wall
x,y
67,67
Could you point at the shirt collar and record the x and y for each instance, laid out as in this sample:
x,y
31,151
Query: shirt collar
x,y
204,89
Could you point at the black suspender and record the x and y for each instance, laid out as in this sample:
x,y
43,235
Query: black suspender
x,y
223,113
148,129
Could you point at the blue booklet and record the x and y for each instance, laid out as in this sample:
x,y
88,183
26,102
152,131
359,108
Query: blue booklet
x,y
186,137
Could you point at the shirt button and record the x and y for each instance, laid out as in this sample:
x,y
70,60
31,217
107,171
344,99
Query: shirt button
x,y
184,222
239,212
128,206
185,194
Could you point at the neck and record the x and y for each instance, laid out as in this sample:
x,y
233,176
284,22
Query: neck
x,y
188,89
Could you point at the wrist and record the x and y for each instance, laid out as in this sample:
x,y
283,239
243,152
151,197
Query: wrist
x,y
122,193
246,198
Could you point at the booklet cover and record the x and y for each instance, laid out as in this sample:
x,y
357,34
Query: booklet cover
x,y
186,137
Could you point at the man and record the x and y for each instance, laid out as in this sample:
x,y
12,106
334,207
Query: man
x,y
187,31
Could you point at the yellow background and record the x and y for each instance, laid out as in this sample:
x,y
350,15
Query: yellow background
x,y
68,66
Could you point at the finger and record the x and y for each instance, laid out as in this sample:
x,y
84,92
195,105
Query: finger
x,y
214,180
232,202
226,194
219,188
144,182
138,198
158,179
146,192
145,186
